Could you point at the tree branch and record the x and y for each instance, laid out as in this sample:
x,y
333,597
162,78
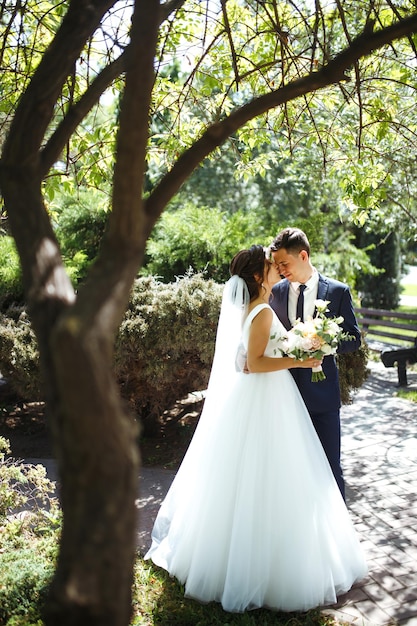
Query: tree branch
x,y
333,72
231,44
412,219
80,109
357,71
102,298
134,123
78,112
36,106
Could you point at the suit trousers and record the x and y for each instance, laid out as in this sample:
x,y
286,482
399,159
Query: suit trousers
x,y
327,427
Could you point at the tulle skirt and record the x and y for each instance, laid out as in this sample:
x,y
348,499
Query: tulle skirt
x,y
254,517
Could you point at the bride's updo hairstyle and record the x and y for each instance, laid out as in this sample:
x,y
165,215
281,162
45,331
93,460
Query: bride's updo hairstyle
x,y
247,264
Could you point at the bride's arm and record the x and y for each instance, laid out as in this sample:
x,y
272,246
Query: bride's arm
x,y
257,362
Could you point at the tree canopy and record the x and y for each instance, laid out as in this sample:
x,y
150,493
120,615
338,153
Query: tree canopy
x,y
358,125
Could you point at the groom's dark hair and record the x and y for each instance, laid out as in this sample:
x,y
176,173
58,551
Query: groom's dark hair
x,y
293,240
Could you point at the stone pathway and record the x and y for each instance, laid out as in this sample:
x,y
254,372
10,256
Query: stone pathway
x,y
379,444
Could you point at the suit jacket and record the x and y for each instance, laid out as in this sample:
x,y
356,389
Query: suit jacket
x,y
323,396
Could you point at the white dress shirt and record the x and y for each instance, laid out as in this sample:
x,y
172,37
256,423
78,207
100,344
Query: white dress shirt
x,y
310,296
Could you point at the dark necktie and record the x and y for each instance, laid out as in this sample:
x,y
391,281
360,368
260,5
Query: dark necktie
x,y
300,304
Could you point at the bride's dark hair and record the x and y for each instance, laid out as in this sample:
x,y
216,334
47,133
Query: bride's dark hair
x,y
247,264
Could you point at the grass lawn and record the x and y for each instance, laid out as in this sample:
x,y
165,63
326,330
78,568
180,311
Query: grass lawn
x,y
407,394
159,601
409,290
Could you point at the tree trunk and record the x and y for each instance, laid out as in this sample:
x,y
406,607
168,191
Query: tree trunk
x,y
98,466
94,437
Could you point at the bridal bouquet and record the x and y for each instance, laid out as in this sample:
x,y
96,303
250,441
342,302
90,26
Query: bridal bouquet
x,y
316,337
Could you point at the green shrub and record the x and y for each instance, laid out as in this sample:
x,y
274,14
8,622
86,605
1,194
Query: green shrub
x,y
81,224
23,487
166,343
381,291
24,580
345,262
200,239
353,371
19,357
163,350
29,527
11,286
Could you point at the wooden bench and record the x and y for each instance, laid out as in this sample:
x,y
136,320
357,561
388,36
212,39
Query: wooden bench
x,y
393,334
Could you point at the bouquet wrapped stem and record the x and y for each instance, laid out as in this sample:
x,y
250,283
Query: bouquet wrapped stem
x,y
317,374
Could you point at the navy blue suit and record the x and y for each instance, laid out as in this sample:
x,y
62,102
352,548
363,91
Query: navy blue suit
x,y
323,398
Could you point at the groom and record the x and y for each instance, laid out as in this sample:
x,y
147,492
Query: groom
x,y
291,253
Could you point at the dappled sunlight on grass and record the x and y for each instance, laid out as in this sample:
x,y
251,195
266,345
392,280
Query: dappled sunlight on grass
x,y
159,601
407,394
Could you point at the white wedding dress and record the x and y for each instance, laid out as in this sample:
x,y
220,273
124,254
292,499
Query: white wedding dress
x,y
254,517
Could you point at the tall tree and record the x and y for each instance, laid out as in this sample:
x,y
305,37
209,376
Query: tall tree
x,y
245,65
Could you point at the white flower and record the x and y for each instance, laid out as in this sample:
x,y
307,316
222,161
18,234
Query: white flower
x,y
321,305
334,327
318,336
327,349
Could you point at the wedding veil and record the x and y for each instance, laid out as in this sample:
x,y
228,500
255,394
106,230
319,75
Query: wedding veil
x,y
233,312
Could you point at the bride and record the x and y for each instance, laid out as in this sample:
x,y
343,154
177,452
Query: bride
x,y
254,517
